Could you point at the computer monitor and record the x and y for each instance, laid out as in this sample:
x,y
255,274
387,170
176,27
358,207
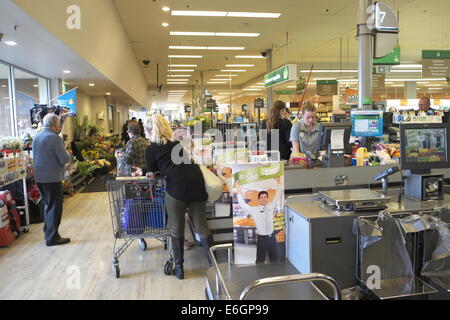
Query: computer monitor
x,y
424,146
367,123
388,120
325,135
340,117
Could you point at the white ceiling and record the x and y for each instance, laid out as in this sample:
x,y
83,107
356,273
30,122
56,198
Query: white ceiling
x,y
41,52
319,32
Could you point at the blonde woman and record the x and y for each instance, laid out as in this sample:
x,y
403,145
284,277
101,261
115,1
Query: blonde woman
x,y
185,187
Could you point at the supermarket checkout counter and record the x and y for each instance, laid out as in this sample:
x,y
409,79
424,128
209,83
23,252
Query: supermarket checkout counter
x,y
299,180
320,238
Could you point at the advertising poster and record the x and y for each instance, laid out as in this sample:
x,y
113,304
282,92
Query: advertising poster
x,y
258,212
223,159
68,103
425,145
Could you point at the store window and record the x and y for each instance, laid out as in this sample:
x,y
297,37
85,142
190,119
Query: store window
x,y
5,102
29,90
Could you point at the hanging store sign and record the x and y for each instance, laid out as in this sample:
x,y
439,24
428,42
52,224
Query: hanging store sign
x,y
187,108
327,87
210,104
435,63
393,58
244,108
259,103
281,75
378,81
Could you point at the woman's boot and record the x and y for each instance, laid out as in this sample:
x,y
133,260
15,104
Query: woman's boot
x,y
178,257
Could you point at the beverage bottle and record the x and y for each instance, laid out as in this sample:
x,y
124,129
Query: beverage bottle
x,y
362,157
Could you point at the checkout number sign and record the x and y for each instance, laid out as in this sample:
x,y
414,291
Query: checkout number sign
x,y
382,18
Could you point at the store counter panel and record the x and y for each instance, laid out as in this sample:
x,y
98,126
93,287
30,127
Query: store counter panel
x,y
296,179
320,239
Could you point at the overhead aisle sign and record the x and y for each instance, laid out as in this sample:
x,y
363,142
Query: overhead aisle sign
x,y
435,63
281,75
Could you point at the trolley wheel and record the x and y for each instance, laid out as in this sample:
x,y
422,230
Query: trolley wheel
x,y
168,268
165,245
116,269
142,244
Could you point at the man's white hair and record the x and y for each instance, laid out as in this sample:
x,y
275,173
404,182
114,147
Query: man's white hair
x,y
50,120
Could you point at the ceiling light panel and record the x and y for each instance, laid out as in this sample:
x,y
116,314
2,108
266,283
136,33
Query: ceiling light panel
x,y
213,34
204,48
225,14
175,56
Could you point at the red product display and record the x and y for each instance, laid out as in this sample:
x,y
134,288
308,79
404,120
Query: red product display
x,y
6,235
14,216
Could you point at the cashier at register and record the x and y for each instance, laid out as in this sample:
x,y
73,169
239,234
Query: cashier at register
x,y
424,106
305,133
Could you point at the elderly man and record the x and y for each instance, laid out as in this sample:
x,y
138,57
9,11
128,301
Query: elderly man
x,y
50,157
424,105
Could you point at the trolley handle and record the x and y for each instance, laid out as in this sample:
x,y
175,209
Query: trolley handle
x,y
291,279
220,282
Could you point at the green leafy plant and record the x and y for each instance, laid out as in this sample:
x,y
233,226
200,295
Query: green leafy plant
x,y
85,168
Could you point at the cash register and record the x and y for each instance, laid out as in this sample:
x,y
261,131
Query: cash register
x,y
424,146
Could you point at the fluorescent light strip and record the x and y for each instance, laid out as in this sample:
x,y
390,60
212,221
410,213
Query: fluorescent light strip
x,y
174,56
405,71
233,70
182,65
250,89
432,85
330,71
181,70
179,75
225,14
250,57
199,13
254,14
176,82
182,80
403,80
398,85
179,91
226,75
236,34
213,34
435,88
407,66
239,65
204,48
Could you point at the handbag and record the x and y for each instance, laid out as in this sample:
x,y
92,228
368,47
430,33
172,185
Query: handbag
x,y
213,184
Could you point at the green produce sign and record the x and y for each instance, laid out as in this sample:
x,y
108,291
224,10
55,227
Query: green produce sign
x,y
392,58
284,74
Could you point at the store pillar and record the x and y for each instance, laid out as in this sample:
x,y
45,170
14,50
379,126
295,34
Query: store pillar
x,y
365,56
269,69
410,91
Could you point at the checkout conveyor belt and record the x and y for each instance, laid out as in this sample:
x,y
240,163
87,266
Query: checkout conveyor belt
x,y
274,281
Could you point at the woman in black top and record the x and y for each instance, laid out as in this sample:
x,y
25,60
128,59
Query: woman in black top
x,y
185,187
277,120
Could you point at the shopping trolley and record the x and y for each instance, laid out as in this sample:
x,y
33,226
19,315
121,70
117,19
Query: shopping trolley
x,y
138,211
